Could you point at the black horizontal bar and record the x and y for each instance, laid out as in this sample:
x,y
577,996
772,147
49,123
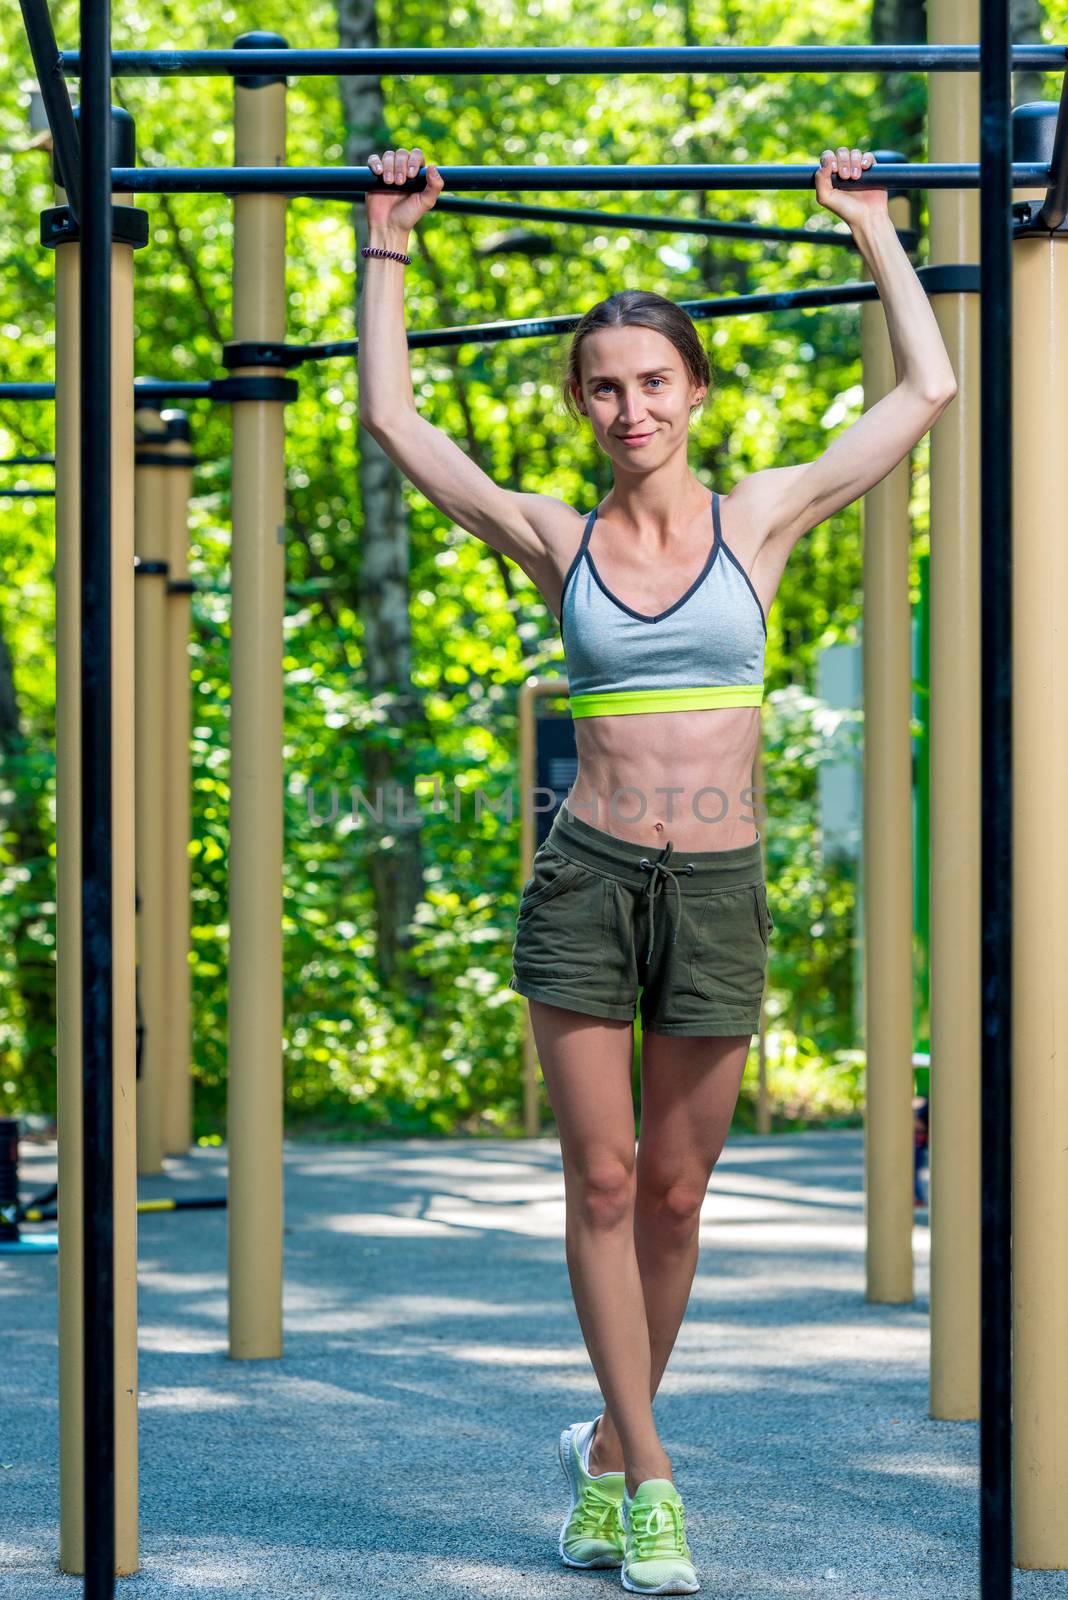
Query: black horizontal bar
x,y
144,389
341,183
943,278
839,294
27,494
28,461
519,211
27,391
550,59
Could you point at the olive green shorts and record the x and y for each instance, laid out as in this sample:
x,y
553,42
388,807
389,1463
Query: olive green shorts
x,y
603,921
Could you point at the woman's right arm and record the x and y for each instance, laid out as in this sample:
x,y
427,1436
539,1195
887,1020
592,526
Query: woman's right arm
x,y
524,527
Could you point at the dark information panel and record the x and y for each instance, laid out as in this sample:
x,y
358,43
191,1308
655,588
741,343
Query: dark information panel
x,y
556,763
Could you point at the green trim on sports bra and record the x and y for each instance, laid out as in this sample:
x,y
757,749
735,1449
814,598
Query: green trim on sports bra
x,y
626,702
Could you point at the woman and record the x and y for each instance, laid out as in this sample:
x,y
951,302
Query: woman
x,y
651,874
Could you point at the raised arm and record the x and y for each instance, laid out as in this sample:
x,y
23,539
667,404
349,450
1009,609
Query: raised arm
x,y
521,526
786,502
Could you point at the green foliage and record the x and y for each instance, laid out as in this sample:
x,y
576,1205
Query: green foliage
x,y
447,1057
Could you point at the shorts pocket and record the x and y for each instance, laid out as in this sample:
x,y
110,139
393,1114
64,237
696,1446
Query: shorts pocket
x,y
764,910
562,923
728,960
552,873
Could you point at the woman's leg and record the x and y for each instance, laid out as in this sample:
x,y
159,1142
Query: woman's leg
x,y
689,1091
586,1064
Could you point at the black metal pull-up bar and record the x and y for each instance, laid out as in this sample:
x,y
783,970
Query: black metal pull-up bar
x,y
549,60
342,183
518,211
941,279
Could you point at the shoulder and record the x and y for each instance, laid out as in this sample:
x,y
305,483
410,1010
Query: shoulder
x,y
765,506
558,528
556,523
762,504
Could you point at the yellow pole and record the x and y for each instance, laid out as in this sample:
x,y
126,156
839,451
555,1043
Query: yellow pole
x,y
254,1110
69,908
530,693
178,1086
150,595
68,888
1040,877
528,711
887,845
763,1106
953,100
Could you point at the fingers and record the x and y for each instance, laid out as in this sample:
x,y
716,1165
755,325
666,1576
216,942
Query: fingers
x,y
847,163
396,166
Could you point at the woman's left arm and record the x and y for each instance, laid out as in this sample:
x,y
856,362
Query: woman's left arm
x,y
788,501
921,360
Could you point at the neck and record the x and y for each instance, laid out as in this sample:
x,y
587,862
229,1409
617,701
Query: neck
x,y
657,504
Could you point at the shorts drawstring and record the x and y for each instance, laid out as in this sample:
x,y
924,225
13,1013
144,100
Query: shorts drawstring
x,y
659,874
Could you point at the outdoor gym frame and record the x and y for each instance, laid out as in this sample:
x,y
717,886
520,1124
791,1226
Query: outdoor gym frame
x,y
90,189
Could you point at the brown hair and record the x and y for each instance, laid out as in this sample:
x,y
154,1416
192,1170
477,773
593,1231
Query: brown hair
x,y
631,308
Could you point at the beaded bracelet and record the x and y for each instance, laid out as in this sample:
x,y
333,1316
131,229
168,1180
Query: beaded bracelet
x,y
392,255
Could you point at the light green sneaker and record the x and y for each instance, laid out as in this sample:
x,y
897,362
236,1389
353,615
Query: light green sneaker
x,y
592,1534
656,1558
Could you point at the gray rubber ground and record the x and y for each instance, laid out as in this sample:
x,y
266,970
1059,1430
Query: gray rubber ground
x,y
406,1444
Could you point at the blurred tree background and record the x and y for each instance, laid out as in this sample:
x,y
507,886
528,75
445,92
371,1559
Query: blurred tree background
x,y
430,1040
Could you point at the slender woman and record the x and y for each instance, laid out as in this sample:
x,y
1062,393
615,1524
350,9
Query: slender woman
x,y
649,887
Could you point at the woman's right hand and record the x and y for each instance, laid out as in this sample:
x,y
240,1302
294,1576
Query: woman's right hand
x,y
401,211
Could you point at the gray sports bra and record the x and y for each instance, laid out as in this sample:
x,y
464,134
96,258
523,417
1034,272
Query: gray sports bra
x,y
705,650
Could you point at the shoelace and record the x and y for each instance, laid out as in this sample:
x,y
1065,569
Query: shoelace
x,y
659,874
659,1529
597,1513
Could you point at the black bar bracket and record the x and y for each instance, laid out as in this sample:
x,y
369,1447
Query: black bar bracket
x,y
950,277
182,586
261,353
150,569
254,388
1025,224
129,226
159,458
259,41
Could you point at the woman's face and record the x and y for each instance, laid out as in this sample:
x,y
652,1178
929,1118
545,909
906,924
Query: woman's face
x,y
637,394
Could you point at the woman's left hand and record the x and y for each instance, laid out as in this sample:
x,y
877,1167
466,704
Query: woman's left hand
x,y
860,205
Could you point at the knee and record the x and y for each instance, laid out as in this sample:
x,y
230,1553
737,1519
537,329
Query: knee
x,y
673,1204
603,1193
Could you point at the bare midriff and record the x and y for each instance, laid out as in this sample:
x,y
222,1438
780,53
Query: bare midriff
x,y
686,776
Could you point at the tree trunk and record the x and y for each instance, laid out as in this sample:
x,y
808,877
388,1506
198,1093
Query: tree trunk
x,y
395,864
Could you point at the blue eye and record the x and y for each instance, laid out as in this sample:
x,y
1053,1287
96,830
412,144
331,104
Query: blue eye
x,y
607,385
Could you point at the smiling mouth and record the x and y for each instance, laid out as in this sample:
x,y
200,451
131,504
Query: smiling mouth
x,y
634,438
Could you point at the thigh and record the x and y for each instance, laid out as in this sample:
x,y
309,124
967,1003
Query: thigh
x,y
689,1091
587,1063
709,981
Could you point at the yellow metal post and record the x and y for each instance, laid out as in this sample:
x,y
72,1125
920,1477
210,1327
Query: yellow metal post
x,y
531,692
68,894
150,597
1040,876
254,1109
178,1085
953,100
887,846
